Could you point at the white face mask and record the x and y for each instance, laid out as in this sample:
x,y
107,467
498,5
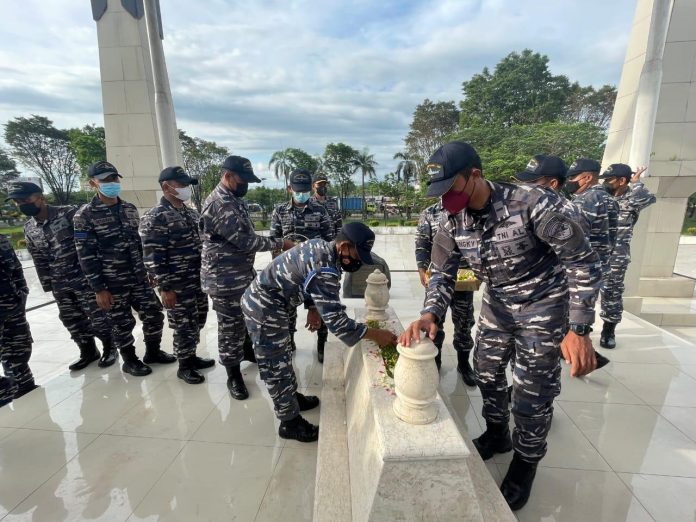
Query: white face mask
x,y
183,193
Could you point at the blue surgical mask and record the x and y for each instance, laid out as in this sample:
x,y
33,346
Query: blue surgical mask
x,y
110,190
302,197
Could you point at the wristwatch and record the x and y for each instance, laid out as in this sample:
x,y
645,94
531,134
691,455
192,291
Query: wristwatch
x,y
580,329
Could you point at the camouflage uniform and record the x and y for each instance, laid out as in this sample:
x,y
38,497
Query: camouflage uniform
x,y
51,244
333,208
227,265
631,203
111,257
536,263
462,303
15,337
172,256
308,273
601,213
313,222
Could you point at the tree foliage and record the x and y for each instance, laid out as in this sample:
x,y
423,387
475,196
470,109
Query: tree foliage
x,y
432,123
585,104
300,159
202,160
45,150
88,144
407,168
8,170
337,164
281,165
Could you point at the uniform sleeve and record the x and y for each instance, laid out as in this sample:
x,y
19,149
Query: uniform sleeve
x,y
154,234
613,218
10,260
596,212
276,225
443,272
87,246
326,225
424,242
323,288
552,226
338,219
42,263
226,224
640,198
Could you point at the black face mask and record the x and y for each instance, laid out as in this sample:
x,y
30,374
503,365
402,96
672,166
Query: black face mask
x,y
610,189
571,187
353,265
322,190
241,190
29,209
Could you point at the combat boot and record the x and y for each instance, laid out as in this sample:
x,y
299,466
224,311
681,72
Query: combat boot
x,y
517,484
110,354
465,369
25,388
235,383
298,429
187,371
249,354
154,355
88,354
608,337
306,402
200,363
133,365
496,439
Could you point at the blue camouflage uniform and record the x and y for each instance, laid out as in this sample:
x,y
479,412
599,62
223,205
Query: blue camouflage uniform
x,y
631,204
172,255
15,337
331,205
601,212
308,273
539,269
230,244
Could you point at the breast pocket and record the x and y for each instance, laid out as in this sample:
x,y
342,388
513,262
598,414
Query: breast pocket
x,y
313,222
515,251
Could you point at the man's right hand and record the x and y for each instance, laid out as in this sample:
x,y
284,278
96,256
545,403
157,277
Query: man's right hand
x,y
422,272
381,337
287,244
105,300
168,298
426,323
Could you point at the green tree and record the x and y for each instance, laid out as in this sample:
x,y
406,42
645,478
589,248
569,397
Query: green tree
x,y
338,165
432,123
281,164
585,104
365,163
299,159
88,144
267,197
407,168
45,150
8,171
202,160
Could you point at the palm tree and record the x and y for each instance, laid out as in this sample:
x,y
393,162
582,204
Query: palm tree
x,y
365,162
407,167
281,165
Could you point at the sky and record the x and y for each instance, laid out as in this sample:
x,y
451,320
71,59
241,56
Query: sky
x,y
260,76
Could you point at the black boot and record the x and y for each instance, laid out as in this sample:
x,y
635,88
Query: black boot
x,y
496,439
517,484
88,354
608,337
465,369
25,388
109,355
200,363
235,383
601,360
321,344
298,429
307,402
154,355
133,365
187,371
249,354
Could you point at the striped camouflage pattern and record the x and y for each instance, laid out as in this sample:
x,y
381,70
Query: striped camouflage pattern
x,y
311,220
631,203
602,213
141,298
334,209
230,244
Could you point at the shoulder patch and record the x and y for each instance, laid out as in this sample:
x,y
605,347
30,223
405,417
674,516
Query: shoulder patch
x,y
322,270
559,228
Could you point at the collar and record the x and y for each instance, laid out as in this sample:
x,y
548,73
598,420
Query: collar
x,y
97,204
52,213
498,209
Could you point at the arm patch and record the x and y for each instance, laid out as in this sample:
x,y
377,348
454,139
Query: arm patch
x,y
322,270
558,228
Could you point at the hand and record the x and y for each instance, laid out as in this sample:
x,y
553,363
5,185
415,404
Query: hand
x,y
422,272
168,298
151,281
637,173
381,337
313,320
105,300
287,244
577,351
425,323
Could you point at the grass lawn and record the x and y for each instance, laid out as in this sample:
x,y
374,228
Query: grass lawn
x,y
688,223
14,233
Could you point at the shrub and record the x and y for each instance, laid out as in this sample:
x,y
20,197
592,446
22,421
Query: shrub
x,y
412,223
392,224
373,223
691,230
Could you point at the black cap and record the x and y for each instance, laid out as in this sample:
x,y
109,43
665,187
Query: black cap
x,y
320,177
300,180
362,237
617,170
448,161
583,165
102,170
22,190
177,174
543,166
242,167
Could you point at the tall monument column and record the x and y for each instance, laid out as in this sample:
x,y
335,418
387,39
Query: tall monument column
x,y
654,123
136,135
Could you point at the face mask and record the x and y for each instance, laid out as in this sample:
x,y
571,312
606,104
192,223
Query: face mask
x,y
352,265
183,193
110,190
301,197
571,187
610,189
454,202
241,190
322,190
29,209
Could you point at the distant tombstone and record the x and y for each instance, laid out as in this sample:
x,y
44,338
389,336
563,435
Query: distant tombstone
x,y
354,284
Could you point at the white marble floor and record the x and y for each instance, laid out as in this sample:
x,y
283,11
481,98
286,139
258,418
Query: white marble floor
x,y
98,445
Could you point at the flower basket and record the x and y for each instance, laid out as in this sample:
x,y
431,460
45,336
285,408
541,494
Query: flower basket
x,y
466,281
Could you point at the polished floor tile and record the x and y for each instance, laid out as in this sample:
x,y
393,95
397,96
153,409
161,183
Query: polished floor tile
x,y
599,386
667,499
684,419
656,384
466,417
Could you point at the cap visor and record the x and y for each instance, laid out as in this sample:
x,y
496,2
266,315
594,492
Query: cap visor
x,y
438,188
301,188
365,256
249,177
186,179
105,175
527,176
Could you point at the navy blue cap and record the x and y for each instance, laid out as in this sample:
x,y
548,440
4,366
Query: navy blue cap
x,y
543,166
617,170
242,167
583,165
177,174
22,190
448,161
320,177
102,170
300,180
362,237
